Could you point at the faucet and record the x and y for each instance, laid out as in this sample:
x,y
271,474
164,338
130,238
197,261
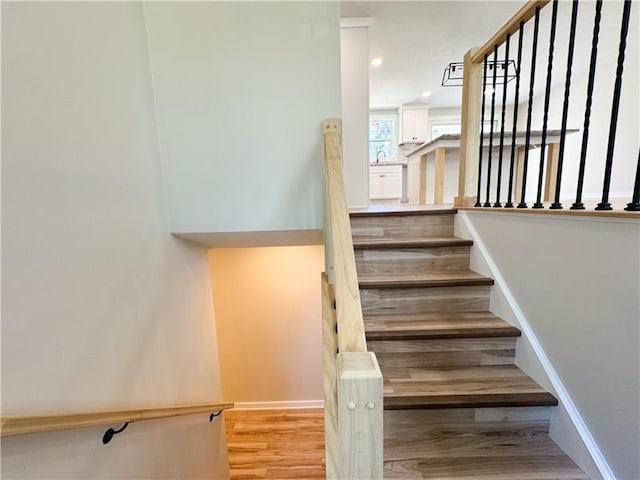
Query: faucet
x,y
378,156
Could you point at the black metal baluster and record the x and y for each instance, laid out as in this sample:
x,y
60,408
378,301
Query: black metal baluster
x,y
547,95
525,163
556,205
487,203
484,86
626,14
505,67
578,205
509,203
634,205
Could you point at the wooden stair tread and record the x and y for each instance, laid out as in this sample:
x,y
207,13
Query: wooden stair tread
x,y
405,211
478,386
437,326
391,242
430,279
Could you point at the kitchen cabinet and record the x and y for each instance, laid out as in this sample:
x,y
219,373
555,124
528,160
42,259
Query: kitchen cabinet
x,y
385,181
414,125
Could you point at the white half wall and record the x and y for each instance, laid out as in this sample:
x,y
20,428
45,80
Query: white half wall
x,y
576,281
241,90
354,56
102,308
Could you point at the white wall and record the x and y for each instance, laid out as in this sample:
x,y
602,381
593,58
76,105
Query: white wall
x,y
577,282
241,90
269,323
103,308
354,54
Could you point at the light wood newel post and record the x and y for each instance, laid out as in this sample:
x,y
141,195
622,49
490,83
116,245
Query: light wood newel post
x,y
360,411
470,133
438,188
423,180
553,153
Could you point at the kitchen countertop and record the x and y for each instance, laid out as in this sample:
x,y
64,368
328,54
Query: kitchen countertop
x,y
453,140
387,164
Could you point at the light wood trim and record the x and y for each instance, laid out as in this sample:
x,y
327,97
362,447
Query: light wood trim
x,y
50,423
360,415
525,12
422,196
343,263
438,188
470,133
553,153
330,350
631,216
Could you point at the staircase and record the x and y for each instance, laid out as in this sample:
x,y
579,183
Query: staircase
x,y
455,404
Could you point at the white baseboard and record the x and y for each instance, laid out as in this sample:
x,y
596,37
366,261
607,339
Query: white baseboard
x,y
279,405
563,396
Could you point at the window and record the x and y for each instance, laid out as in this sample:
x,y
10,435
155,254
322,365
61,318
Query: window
x,y
381,139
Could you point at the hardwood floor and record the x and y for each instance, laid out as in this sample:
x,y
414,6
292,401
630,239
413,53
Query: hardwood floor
x,y
275,444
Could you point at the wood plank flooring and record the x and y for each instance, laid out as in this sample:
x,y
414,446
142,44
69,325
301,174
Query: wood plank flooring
x,y
276,444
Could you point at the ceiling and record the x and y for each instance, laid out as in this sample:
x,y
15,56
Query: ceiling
x,y
417,40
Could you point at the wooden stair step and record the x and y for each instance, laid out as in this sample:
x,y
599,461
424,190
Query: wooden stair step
x,y
412,260
477,386
437,326
361,243
420,300
382,211
448,352
433,279
403,225
480,440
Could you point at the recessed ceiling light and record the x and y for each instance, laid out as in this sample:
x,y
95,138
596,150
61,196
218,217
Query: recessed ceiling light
x,y
426,93
376,62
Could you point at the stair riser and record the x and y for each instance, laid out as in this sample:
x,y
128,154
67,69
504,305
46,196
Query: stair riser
x,y
421,423
376,301
443,353
412,260
403,226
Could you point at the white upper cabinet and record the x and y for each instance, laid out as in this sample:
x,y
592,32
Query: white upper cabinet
x,y
414,125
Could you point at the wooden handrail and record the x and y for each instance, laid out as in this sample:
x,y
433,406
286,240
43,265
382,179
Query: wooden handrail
x,y
525,12
352,377
347,293
50,423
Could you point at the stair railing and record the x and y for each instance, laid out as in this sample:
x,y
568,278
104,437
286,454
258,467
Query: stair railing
x,y
15,425
486,72
353,404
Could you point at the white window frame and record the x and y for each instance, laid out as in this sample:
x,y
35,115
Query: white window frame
x,y
394,135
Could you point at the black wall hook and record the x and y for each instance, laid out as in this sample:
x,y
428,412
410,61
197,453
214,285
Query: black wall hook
x,y
108,435
213,415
